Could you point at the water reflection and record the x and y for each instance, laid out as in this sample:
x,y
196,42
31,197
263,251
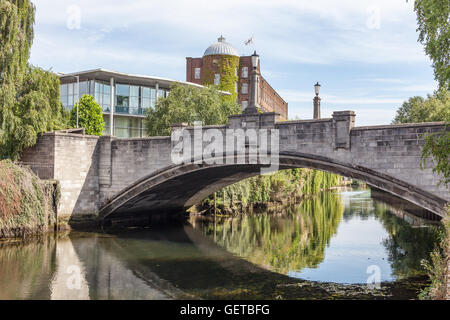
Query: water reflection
x,y
260,256
333,237
292,240
27,269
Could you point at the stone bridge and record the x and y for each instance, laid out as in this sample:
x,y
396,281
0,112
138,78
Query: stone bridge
x,y
108,178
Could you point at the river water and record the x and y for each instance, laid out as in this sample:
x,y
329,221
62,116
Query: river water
x,y
326,247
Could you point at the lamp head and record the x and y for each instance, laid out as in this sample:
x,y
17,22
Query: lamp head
x,y
255,60
317,88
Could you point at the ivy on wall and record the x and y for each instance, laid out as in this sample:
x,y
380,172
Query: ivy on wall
x,y
226,67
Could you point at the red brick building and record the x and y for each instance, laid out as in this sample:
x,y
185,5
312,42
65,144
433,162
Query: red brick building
x,y
210,69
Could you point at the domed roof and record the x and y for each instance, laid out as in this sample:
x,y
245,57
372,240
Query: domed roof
x,y
221,47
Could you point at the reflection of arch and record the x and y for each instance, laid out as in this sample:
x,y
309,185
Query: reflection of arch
x,y
180,186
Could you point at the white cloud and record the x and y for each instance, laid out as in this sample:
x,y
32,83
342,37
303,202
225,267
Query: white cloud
x,y
320,32
299,42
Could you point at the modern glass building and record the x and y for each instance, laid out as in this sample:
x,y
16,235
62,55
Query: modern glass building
x,y
124,98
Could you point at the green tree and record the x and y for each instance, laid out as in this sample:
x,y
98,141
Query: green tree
x,y
437,146
16,38
90,116
29,96
433,20
188,104
417,109
36,109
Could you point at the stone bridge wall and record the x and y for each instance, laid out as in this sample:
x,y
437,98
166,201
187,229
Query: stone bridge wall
x,y
394,150
72,159
93,170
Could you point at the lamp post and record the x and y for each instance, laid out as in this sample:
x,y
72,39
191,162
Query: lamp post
x,y
317,101
78,94
253,103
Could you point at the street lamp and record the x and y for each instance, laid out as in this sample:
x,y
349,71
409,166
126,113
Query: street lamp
x,y
253,103
255,60
317,101
317,88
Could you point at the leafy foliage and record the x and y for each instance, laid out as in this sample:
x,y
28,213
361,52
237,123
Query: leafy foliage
x,y
26,205
16,38
433,19
436,265
29,96
36,109
229,78
280,186
226,67
437,146
435,107
90,116
292,239
188,104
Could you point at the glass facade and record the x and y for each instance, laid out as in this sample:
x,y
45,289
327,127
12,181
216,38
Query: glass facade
x,y
103,95
135,100
148,97
127,127
69,94
129,100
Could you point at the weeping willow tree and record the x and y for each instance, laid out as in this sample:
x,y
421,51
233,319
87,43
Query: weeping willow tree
x,y
280,186
29,96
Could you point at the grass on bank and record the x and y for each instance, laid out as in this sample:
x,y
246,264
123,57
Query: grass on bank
x,y
437,265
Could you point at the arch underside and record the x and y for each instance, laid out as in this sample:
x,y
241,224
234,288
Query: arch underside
x,y
178,187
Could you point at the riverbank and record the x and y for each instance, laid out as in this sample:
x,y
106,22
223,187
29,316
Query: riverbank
x,y
28,205
438,265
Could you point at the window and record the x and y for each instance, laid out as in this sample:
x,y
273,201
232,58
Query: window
x,y
152,97
106,97
84,88
148,98
244,104
236,87
63,91
244,72
122,98
134,100
145,97
69,93
126,127
197,73
245,88
102,95
236,72
217,79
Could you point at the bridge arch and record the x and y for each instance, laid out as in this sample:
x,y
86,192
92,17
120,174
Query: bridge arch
x,y
177,187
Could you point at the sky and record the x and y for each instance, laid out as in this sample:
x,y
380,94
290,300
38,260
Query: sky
x,y
364,53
